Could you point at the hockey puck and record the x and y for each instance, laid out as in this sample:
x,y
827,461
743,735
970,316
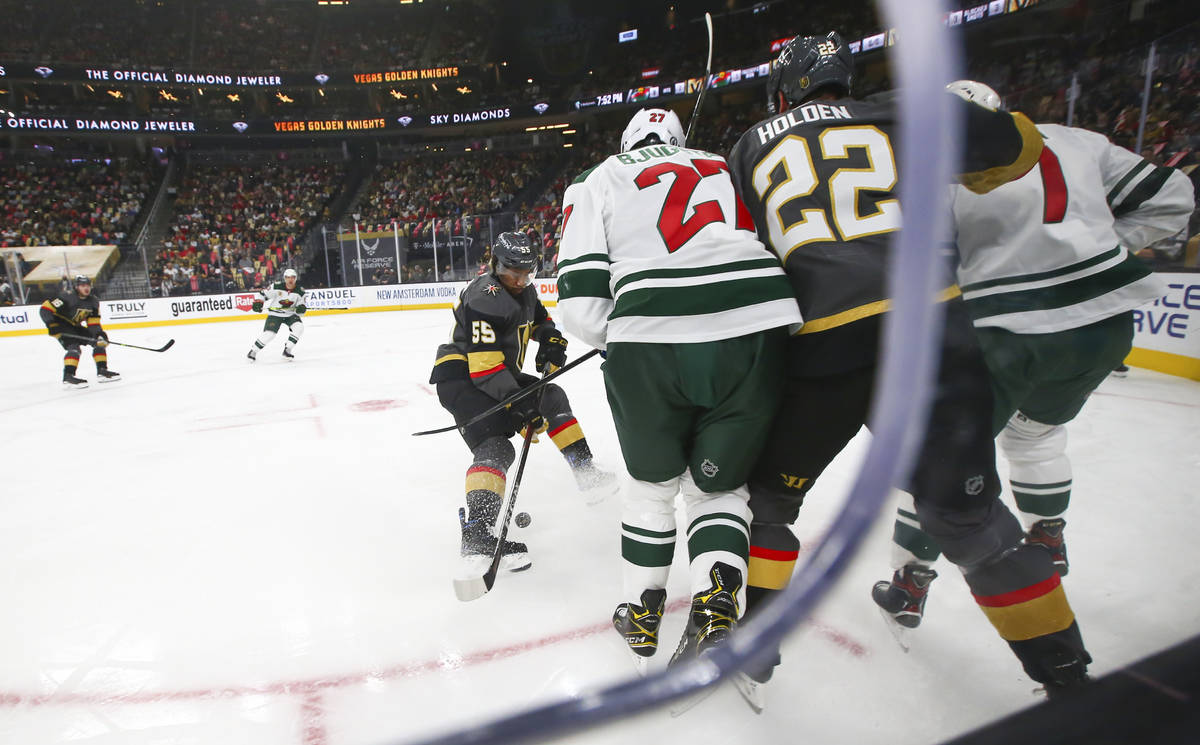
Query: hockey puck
x,y
523,519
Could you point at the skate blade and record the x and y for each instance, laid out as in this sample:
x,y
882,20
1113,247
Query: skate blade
x,y
74,386
752,692
899,633
108,380
515,562
687,703
640,664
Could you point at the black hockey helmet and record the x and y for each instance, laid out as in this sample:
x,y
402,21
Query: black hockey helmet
x,y
514,250
81,279
807,65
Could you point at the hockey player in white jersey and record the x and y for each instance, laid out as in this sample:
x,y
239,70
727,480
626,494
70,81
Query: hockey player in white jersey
x,y
284,302
1046,267
659,265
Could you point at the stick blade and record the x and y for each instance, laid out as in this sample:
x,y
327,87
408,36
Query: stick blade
x,y
170,343
467,589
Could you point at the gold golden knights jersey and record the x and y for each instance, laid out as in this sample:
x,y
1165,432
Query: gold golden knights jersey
x,y
491,331
821,181
658,248
1051,250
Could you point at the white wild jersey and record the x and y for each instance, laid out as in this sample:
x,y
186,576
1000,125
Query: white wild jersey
x,y
280,301
1053,250
657,248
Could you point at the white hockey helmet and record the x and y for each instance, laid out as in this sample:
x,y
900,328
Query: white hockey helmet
x,y
661,122
976,92
289,273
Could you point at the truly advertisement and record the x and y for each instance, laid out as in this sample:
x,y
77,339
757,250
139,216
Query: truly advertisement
x,y
123,310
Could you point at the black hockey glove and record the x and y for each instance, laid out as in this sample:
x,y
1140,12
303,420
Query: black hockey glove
x,y
100,339
525,412
256,306
301,308
552,352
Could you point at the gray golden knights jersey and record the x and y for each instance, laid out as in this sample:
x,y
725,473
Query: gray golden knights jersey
x,y
491,332
1051,250
657,248
280,301
821,181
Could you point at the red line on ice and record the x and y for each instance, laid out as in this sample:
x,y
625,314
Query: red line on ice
x,y
312,688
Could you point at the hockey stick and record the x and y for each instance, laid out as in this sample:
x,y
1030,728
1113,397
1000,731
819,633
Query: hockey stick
x,y
473,588
707,75
163,348
511,399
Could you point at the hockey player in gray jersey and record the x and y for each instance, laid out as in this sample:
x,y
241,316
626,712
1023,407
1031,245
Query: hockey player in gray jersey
x,y
496,316
1047,270
284,302
660,266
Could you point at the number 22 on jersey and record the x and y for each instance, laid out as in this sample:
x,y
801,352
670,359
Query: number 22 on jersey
x,y
788,172
672,226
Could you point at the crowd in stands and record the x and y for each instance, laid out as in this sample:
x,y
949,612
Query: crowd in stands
x,y
437,193
225,35
1110,95
238,226
70,203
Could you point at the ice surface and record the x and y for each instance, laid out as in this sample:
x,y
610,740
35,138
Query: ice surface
x,y
214,550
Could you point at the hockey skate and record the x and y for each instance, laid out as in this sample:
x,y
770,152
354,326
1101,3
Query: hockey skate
x,y
70,381
713,615
479,546
596,483
287,354
1120,371
1068,675
638,626
1049,535
901,601
107,376
252,355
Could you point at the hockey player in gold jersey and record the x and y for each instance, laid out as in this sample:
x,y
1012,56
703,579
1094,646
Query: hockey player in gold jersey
x,y
819,176
73,319
496,316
